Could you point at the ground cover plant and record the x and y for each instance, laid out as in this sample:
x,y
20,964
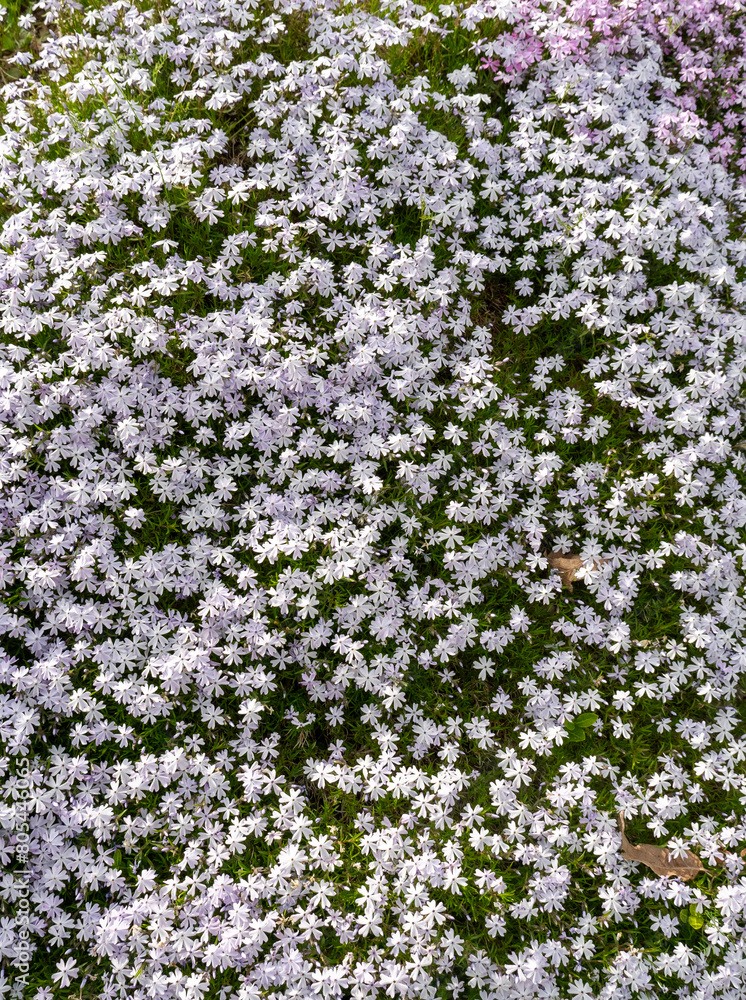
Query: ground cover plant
x,y
372,500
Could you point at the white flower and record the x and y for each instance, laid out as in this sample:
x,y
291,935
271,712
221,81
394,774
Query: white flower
x,y
67,970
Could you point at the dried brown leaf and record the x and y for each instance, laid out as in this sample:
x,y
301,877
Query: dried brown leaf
x,y
568,566
660,859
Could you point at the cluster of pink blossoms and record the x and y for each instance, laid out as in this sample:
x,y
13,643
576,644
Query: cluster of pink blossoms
x,y
274,500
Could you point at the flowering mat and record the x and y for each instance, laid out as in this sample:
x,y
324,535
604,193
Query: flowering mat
x,y
372,500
